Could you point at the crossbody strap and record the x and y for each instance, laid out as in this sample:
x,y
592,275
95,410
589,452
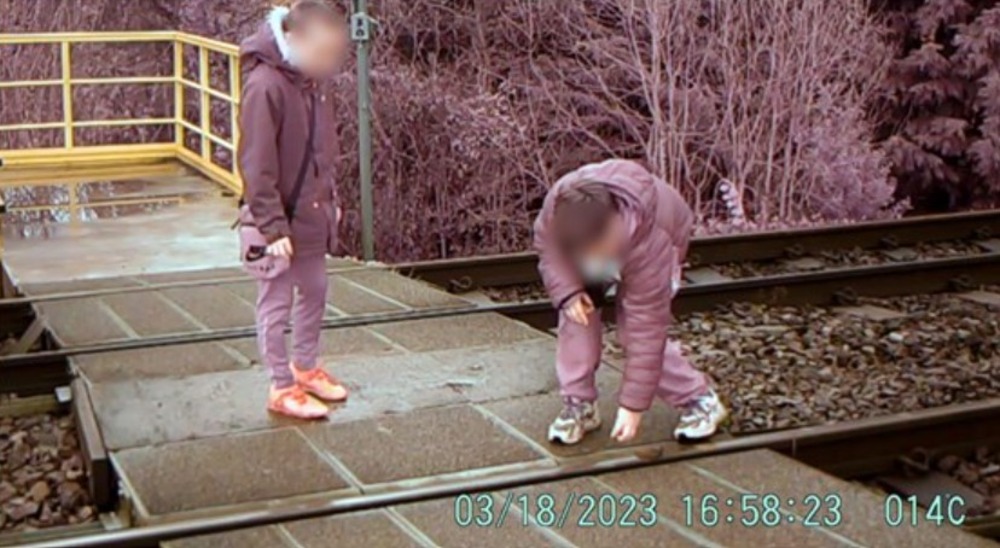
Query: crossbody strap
x,y
306,160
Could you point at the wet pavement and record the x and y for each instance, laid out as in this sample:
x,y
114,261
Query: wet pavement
x,y
93,223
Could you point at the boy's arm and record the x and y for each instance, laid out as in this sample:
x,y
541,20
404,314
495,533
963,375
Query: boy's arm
x,y
645,309
258,159
560,278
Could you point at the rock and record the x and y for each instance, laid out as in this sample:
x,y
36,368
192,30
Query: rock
x,y
69,441
990,470
19,509
19,455
45,516
39,491
71,496
73,467
85,514
7,491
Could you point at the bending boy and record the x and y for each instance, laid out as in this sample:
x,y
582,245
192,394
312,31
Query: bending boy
x,y
616,229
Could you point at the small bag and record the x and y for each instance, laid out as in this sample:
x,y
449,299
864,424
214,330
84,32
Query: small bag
x,y
253,244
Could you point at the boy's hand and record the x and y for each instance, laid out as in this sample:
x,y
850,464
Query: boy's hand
x,y
626,425
281,248
579,309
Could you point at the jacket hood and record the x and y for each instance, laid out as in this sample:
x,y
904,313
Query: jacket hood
x,y
268,46
626,179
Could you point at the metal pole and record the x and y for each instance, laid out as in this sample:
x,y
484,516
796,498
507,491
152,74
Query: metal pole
x,y
361,33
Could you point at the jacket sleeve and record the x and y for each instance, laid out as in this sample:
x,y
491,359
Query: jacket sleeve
x,y
645,315
260,118
560,278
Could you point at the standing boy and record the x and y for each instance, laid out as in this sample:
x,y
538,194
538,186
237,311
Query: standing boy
x,y
615,228
286,160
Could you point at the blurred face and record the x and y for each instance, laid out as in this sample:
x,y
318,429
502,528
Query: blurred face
x,y
600,261
320,48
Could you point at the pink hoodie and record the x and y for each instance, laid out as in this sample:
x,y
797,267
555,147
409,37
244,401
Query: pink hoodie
x,y
659,222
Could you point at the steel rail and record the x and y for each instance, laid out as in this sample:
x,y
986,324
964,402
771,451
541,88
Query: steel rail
x,y
87,293
521,268
817,288
834,448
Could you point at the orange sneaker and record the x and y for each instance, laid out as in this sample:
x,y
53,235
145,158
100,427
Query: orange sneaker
x,y
294,402
319,383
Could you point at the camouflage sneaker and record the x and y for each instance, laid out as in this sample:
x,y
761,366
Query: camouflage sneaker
x,y
576,419
701,418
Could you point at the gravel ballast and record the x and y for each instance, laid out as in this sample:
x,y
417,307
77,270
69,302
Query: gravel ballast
x,y
42,475
781,367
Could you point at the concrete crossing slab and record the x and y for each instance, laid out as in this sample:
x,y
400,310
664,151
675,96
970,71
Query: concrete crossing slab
x,y
351,299
162,361
502,372
82,321
438,520
213,307
334,344
698,502
148,313
406,291
421,443
531,416
225,470
864,512
192,275
623,520
468,331
259,537
668,483
140,412
373,528
390,384
77,286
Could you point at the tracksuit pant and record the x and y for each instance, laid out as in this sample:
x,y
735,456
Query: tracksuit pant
x,y
577,368
299,295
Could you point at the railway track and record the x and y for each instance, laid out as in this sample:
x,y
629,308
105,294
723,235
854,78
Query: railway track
x,y
848,447
861,449
37,370
522,268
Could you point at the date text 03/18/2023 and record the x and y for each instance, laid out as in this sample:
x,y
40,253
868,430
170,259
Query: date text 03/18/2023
x,y
609,509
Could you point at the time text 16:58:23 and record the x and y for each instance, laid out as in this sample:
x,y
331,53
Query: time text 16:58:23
x,y
762,510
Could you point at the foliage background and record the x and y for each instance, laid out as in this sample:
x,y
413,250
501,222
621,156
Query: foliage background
x,y
763,112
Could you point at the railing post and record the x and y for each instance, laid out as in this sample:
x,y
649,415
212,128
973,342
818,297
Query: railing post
x,y
361,33
235,90
3,273
74,203
67,92
178,92
206,106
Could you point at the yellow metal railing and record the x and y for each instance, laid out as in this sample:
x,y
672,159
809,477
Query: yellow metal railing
x,y
72,153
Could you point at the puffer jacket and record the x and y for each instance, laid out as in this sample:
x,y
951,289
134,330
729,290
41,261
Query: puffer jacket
x,y
659,224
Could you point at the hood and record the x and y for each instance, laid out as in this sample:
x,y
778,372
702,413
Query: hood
x,y
268,46
632,185
627,180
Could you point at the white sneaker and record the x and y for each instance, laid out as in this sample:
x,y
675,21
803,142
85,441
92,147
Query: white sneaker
x,y
576,419
701,418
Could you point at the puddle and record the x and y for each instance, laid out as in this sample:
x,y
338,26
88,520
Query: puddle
x,y
46,211
105,224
